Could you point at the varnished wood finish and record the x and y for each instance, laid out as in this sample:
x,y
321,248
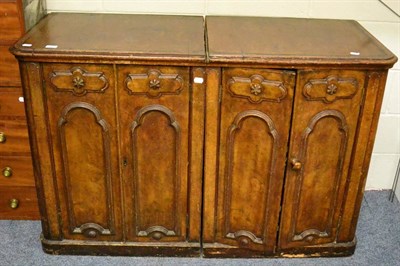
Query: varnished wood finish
x,y
11,105
157,37
257,146
11,22
27,208
299,41
9,74
17,142
21,168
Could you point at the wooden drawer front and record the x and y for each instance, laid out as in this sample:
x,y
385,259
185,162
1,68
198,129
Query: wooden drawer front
x,y
16,171
16,137
19,203
9,71
10,24
152,82
11,102
79,79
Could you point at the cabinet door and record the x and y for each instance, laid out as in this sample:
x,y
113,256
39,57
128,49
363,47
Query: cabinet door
x,y
325,118
80,102
154,118
256,109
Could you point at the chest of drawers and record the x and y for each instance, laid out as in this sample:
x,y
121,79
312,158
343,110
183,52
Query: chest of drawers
x,y
18,198
153,136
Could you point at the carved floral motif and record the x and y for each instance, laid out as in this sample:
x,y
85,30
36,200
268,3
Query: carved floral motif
x,y
330,89
153,84
78,81
257,89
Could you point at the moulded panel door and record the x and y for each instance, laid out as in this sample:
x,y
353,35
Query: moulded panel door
x,y
82,122
256,106
325,118
154,115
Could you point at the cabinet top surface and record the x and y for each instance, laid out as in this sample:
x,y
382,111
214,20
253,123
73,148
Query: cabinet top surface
x,y
254,40
113,35
236,39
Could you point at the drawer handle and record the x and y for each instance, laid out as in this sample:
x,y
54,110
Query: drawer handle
x,y
3,137
14,203
296,164
7,172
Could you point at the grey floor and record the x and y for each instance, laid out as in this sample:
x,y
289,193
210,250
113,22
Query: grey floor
x,y
378,244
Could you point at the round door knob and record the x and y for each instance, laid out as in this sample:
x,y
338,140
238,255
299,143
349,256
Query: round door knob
x,y
7,172
296,164
14,203
2,137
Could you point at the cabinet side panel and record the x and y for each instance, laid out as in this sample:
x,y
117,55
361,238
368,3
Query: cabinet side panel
x,y
42,154
375,85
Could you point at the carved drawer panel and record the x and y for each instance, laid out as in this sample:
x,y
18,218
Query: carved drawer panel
x,y
14,138
258,85
16,171
10,25
11,102
9,72
79,79
331,86
18,203
152,82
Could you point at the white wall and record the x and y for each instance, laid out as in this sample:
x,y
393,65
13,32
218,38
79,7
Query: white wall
x,y
372,14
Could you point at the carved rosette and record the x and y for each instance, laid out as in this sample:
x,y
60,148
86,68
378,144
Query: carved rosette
x,y
330,89
78,81
153,84
257,89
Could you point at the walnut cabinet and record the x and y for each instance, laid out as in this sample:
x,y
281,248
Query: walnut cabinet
x,y
146,141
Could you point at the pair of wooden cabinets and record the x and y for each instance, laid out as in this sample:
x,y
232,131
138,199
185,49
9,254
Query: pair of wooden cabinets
x,y
197,152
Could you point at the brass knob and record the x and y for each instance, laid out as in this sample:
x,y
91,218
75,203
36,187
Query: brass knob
x,y
7,172
2,137
296,164
14,203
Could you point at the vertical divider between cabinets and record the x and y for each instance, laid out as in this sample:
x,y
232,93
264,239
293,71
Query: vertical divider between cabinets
x,y
212,105
120,170
190,150
278,229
